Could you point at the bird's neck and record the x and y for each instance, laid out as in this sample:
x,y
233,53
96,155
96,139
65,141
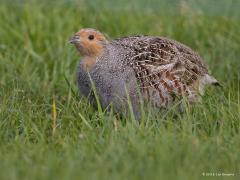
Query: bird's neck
x,y
88,62
91,55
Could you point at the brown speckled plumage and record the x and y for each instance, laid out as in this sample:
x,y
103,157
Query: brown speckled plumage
x,y
162,68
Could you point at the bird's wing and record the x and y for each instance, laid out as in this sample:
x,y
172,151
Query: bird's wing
x,y
163,64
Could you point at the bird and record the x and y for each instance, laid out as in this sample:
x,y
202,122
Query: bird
x,y
157,69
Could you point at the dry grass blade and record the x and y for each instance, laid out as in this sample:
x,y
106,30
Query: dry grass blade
x,y
54,116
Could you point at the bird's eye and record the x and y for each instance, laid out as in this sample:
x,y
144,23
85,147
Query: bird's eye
x,y
91,37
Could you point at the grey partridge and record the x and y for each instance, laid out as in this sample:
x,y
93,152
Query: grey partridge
x,y
160,68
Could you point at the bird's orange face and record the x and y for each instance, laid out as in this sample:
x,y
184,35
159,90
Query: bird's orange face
x,y
88,42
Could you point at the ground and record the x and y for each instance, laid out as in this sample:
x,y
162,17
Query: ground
x,y
49,131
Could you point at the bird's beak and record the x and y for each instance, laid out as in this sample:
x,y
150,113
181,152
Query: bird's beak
x,y
75,39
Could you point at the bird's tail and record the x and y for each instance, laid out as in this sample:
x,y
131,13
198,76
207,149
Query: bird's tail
x,y
207,80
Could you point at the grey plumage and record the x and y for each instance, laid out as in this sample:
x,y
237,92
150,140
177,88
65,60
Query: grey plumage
x,y
112,78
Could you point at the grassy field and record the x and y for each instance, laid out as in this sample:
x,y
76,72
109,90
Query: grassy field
x,y
49,131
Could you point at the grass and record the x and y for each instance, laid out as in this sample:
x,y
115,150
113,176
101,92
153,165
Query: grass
x,y
49,131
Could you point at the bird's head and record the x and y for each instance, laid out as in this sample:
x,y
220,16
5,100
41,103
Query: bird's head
x,y
89,42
